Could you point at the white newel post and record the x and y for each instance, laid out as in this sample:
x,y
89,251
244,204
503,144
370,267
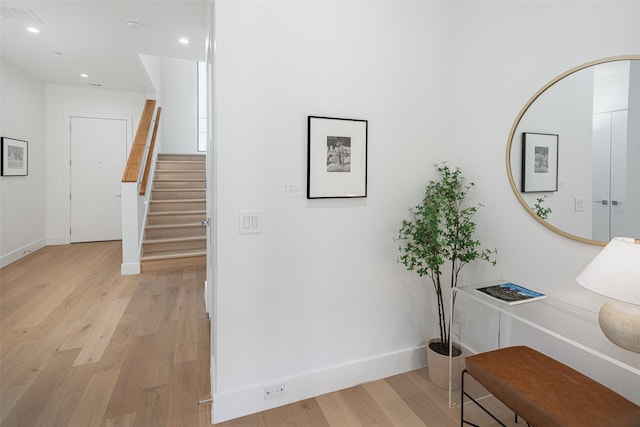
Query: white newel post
x,y
130,232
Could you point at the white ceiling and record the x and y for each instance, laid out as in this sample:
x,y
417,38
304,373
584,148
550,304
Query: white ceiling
x,y
94,38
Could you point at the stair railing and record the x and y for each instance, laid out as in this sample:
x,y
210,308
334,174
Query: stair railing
x,y
134,188
149,155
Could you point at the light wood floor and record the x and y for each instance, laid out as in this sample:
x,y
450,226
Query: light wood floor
x,y
83,346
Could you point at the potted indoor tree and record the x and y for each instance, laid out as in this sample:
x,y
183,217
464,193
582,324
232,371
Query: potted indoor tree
x,y
438,235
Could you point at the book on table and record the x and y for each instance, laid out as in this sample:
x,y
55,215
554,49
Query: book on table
x,y
511,293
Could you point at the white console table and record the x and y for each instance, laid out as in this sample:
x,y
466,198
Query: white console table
x,y
561,329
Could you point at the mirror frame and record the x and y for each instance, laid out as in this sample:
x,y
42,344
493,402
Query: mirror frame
x,y
523,111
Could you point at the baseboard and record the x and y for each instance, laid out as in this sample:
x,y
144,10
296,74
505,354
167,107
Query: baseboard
x,y
57,240
21,252
130,268
249,400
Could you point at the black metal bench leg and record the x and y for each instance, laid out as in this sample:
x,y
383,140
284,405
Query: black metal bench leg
x,y
462,395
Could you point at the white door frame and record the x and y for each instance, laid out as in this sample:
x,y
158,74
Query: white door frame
x,y
66,167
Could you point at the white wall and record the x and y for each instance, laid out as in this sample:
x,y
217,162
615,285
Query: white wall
x,y
179,117
22,216
62,100
317,301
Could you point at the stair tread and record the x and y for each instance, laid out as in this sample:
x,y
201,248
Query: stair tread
x,y
179,180
179,189
178,200
177,254
175,239
167,213
184,224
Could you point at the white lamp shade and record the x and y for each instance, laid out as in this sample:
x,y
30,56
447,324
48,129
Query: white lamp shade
x,y
615,271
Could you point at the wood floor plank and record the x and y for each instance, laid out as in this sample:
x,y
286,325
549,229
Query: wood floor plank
x,y
253,420
183,404
412,391
43,303
9,397
304,413
59,410
187,342
365,407
122,421
392,404
160,356
128,389
93,402
337,411
97,343
153,409
28,409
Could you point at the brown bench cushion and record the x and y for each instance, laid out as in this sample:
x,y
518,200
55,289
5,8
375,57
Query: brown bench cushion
x,y
548,393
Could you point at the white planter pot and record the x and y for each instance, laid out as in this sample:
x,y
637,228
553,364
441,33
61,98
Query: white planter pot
x,y
438,365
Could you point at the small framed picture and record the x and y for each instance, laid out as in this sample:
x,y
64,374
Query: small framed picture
x,y
15,157
336,158
539,162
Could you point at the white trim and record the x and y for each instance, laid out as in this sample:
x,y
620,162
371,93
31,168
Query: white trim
x,y
21,252
57,240
66,158
130,268
249,400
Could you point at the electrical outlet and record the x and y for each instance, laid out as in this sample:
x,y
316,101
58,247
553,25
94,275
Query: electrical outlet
x,y
273,391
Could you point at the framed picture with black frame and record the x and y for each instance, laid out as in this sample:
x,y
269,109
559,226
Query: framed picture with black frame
x,y
15,157
336,157
539,162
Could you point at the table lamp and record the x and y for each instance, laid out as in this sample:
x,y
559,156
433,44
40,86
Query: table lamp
x,y
615,273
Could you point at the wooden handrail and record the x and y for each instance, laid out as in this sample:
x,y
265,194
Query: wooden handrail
x,y
147,166
132,170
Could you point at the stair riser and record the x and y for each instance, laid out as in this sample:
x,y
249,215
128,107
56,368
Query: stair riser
x,y
177,206
180,175
171,165
167,248
175,219
178,157
178,194
172,232
161,185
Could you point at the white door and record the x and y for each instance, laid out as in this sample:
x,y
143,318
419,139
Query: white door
x,y
610,213
98,156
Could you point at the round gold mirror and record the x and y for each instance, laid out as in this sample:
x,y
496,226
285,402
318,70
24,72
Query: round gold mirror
x,y
573,153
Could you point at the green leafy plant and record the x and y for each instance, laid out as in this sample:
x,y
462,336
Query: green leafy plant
x,y
541,211
440,231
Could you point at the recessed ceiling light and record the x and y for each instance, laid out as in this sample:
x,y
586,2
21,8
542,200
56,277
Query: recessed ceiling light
x,y
183,40
33,30
83,75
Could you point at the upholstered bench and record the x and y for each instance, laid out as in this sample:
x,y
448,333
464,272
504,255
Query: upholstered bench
x,y
545,392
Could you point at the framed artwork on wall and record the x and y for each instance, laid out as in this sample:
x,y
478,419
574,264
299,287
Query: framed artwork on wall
x,y
15,157
336,157
539,162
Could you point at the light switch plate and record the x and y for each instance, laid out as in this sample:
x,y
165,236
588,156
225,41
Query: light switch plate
x,y
250,222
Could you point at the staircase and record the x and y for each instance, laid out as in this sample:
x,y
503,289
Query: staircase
x,y
174,234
